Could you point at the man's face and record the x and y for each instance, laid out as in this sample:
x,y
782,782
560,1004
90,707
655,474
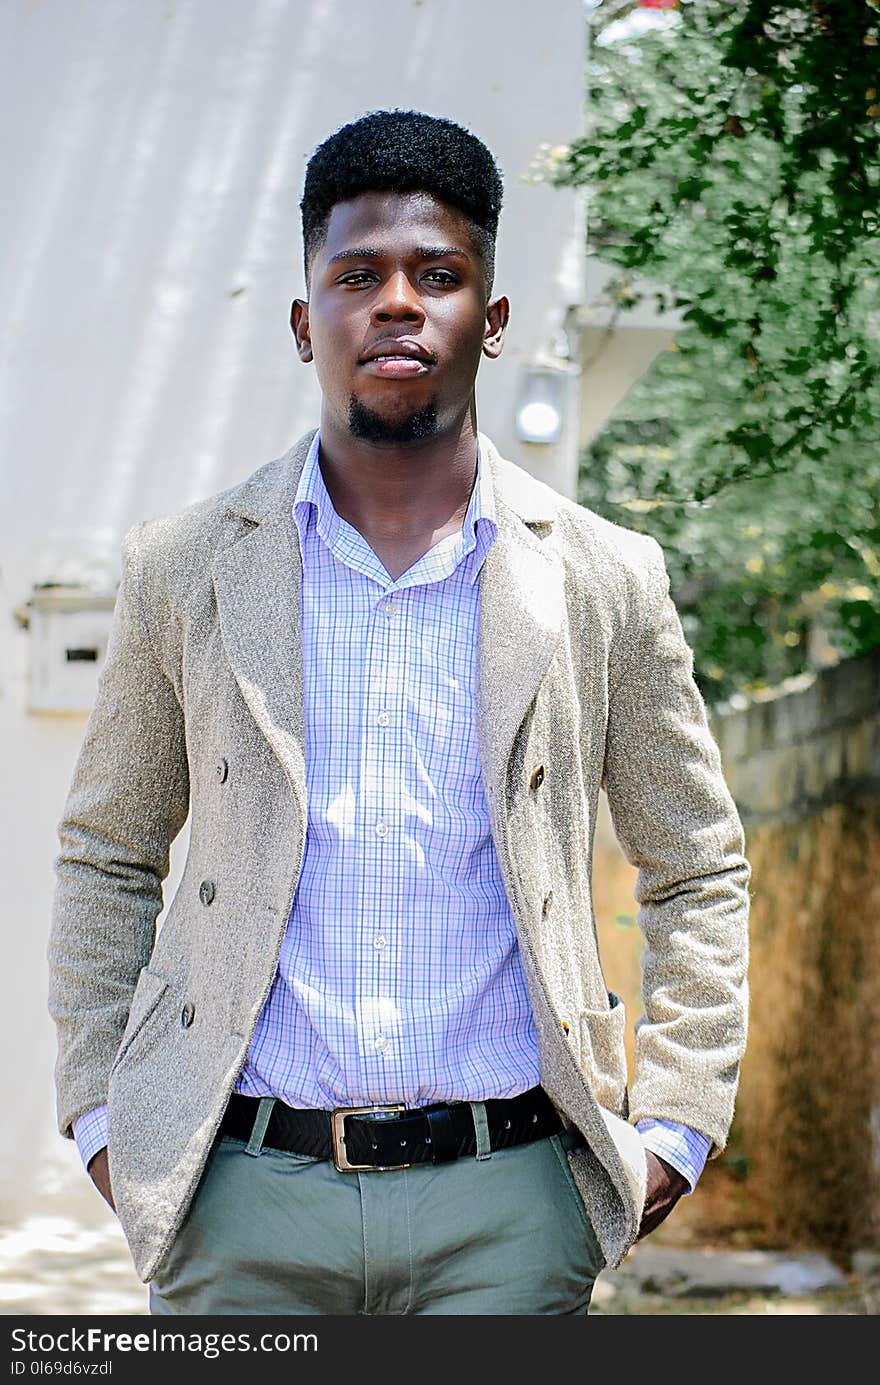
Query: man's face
x,y
397,318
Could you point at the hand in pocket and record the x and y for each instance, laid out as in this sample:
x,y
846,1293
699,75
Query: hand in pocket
x,y
99,1173
665,1186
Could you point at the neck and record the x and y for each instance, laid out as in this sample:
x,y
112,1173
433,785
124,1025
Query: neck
x,y
400,491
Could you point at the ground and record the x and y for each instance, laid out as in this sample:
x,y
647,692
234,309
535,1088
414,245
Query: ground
x,y
71,1258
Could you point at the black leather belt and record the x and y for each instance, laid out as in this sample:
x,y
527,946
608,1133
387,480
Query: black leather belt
x,y
394,1137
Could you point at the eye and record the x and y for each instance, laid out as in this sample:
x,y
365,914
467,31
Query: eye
x,y
442,276
357,277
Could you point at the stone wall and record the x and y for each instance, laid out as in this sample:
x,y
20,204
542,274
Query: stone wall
x,y
803,764
804,767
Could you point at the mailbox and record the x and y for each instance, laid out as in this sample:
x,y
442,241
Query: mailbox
x,y
69,627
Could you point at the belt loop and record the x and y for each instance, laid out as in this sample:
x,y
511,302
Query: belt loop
x,y
481,1127
264,1111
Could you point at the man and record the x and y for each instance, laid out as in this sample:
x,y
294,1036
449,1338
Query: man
x,y
370,1064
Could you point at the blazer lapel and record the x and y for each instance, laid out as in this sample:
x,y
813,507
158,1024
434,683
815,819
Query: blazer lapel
x,y
521,615
258,584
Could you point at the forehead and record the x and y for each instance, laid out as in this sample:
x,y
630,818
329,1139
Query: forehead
x,y
395,220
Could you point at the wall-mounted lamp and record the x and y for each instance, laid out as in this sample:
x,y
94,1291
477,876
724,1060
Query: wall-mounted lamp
x,y
541,407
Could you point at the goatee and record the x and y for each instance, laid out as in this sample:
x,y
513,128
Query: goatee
x,y
373,427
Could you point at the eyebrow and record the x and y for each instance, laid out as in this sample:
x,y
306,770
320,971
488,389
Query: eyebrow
x,y
423,252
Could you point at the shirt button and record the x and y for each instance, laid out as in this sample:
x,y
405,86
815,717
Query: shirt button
x,y
187,1014
383,718
380,1043
381,829
388,608
221,769
207,891
380,941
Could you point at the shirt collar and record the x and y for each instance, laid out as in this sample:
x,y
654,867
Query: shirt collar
x,y
479,528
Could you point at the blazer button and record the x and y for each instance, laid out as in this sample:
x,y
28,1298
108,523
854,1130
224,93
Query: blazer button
x,y
221,769
207,891
537,778
187,1014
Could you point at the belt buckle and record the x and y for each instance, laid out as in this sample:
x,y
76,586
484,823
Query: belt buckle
x,y
337,1132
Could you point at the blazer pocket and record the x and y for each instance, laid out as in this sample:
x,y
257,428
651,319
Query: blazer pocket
x,y
151,986
604,1054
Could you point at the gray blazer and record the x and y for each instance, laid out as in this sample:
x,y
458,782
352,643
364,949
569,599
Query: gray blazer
x,y
583,671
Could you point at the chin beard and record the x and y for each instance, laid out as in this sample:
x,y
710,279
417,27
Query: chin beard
x,y
373,427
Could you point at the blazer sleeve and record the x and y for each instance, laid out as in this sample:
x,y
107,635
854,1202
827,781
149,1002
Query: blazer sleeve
x,y
676,822
128,799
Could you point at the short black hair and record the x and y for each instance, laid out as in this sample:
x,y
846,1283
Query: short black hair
x,y
404,151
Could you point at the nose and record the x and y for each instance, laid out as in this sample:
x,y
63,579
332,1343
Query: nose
x,y
398,301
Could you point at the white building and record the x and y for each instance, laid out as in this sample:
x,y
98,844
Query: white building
x,y
155,152
150,248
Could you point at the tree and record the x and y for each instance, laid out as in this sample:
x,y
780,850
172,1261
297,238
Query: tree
x,y
733,157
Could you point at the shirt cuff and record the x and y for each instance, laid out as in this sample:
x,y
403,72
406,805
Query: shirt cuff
x,y
90,1133
685,1149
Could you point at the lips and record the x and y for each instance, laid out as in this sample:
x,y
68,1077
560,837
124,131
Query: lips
x,y
395,367
397,349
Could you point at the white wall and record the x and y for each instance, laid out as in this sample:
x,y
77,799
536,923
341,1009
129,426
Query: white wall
x,y
149,250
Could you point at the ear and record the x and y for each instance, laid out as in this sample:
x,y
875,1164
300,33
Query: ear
x,y
497,317
299,326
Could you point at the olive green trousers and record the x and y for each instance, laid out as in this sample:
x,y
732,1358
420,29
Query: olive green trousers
x,y
270,1232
